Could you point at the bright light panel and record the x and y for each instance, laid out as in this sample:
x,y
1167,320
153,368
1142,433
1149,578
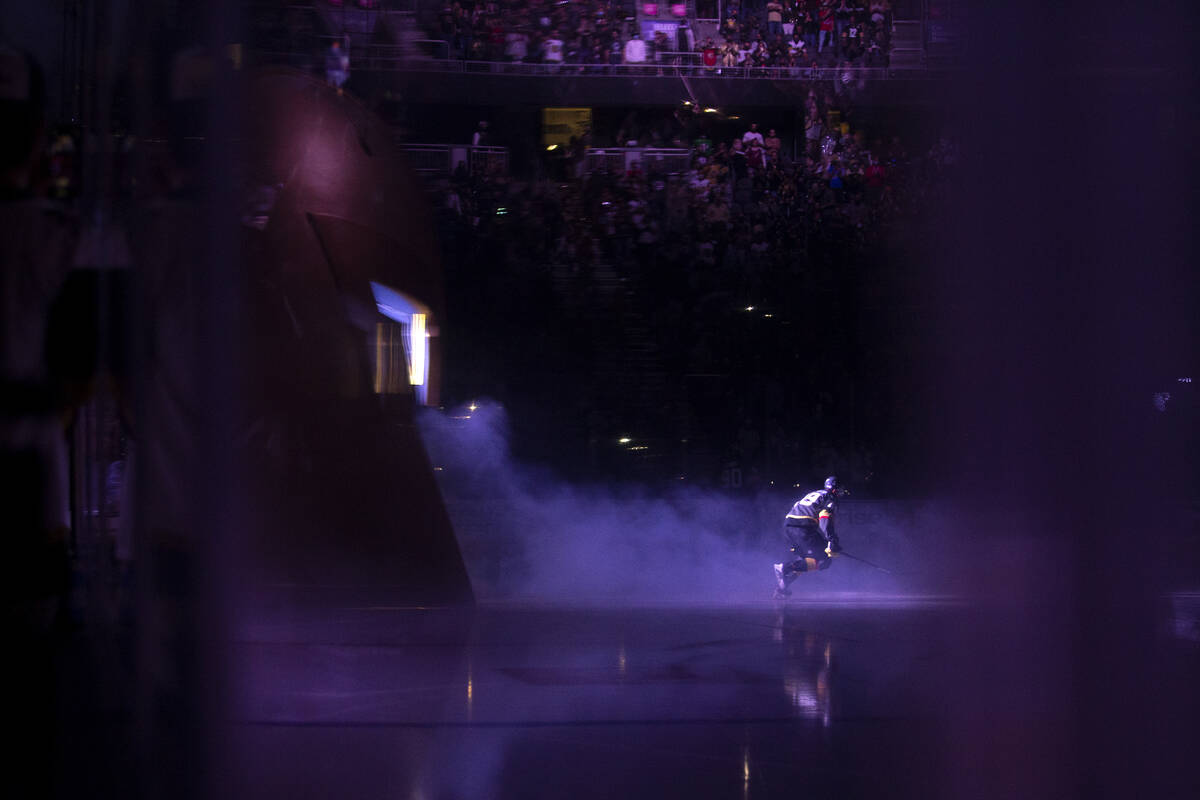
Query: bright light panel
x,y
416,347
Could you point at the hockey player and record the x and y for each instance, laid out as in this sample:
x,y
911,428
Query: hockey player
x,y
810,531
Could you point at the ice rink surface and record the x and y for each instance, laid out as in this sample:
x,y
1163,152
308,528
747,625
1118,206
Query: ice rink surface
x,y
840,696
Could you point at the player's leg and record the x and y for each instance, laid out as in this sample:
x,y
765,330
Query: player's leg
x,y
786,570
815,556
808,554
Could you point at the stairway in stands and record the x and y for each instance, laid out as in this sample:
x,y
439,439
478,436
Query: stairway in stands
x,y
908,45
631,383
646,381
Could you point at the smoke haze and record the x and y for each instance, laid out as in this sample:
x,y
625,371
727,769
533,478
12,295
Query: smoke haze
x,y
527,534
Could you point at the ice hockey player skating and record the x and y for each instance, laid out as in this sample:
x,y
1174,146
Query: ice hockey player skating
x,y
810,531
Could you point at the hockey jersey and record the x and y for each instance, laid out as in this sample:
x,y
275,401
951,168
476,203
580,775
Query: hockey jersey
x,y
815,507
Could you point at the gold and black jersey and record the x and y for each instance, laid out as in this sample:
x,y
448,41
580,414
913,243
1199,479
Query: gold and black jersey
x,y
817,508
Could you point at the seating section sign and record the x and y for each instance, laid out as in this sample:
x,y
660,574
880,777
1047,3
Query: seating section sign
x,y
652,26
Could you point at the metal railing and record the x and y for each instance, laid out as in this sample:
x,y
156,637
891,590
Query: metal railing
x,y
428,57
672,65
484,159
369,53
443,159
647,159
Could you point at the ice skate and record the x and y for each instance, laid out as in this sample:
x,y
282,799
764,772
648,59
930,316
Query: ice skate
x,y
781,589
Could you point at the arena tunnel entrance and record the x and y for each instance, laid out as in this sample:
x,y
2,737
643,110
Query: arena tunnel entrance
x,y
400,346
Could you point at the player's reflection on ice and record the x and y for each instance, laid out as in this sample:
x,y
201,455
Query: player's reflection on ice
x,y
807,670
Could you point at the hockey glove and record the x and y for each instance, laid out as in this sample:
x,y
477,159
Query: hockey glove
x,y
833,549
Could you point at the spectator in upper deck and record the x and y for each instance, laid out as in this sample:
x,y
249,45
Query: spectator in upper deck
x,y
635,50
708,53
880,11
795,44
774,18
660,46
615,49
827,29
727,55
810,25
842,14
685,38
552,49
731,23
516,46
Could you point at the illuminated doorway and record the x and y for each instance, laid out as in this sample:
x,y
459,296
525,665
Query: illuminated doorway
x,y
401,346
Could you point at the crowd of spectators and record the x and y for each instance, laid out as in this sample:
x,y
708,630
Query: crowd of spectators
x,y
596,33
717,256
792,33
543,31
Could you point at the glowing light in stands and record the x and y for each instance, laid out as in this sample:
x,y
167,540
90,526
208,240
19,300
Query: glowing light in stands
x,y
624,440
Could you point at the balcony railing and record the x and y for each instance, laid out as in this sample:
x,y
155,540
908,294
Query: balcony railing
x,y
430,56
443,159
647,159
674,65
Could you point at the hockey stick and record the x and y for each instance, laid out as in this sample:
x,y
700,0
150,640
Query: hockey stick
x,y
868,563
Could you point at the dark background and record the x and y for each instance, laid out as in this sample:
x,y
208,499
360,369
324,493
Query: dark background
x,y
1005,340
